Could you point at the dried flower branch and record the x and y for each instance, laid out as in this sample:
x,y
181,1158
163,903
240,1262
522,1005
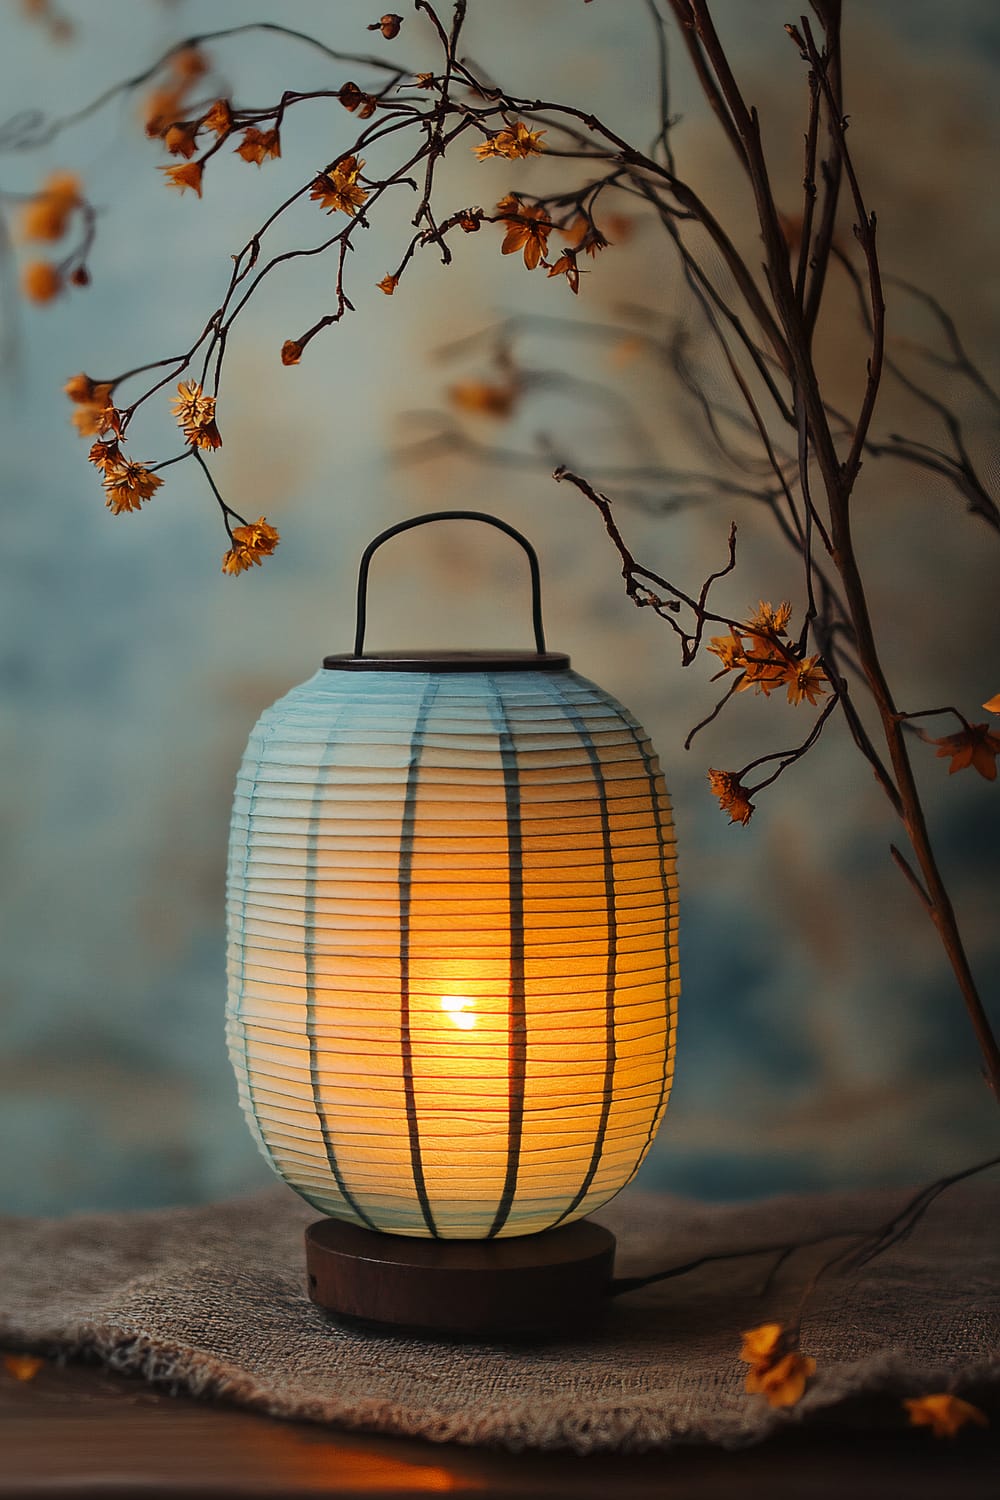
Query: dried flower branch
x,y
775,436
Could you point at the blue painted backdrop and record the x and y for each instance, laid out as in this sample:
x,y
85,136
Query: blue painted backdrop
x,y
821,1041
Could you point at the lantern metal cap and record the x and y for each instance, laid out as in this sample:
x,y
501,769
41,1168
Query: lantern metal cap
x,y
448,661
358,660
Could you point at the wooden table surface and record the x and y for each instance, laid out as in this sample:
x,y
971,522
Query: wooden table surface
x,y
79,1431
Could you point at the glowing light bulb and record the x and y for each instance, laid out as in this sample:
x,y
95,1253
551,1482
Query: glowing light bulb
x,y
457,1008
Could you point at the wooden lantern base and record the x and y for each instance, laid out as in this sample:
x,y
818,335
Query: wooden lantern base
x,y
510,1288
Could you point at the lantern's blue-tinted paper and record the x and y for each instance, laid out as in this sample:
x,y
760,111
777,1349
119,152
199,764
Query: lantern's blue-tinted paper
x,y
452,947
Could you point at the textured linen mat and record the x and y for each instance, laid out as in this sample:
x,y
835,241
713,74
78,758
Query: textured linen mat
x,y
210,1301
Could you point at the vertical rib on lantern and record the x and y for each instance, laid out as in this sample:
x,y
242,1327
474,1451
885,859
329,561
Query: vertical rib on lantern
x,y
452,947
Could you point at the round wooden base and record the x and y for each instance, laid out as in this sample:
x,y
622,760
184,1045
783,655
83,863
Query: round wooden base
x,y
510,1288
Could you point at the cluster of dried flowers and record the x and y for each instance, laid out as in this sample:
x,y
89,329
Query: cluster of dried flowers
x,y
195,133
807,453
47,217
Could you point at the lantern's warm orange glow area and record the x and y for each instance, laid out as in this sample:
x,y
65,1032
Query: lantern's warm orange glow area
x,y
453,947
459,1010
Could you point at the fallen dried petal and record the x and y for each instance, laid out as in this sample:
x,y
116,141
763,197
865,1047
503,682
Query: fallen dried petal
x,y
945,1415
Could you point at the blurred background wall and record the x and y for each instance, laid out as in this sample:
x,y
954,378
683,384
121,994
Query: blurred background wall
x,y
822,1041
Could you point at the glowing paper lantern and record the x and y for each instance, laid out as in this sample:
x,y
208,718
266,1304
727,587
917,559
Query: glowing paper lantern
x,y
452,939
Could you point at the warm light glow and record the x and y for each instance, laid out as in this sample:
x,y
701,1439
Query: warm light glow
x,y
457,1008
452,947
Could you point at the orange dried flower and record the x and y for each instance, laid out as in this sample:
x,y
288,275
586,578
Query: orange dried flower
x,y
766,668
204,435
471,220
195,413
805,680
92,418
945,1415
161,109
40,281
769,664
784,1382
388,284
250,544
992,705
191,406
80,388
184,175
259,535
424,80
127,485
733,796
63,185
110,419
730,650
291,352
514,142
583,234
529,231
22,1366
239,559
219,119
339,188
762,1344
258,145
190,63
105,455
972,746
484,398
89,420
770,620
777,1370
389,26
47,215
355,99
180,139
566,266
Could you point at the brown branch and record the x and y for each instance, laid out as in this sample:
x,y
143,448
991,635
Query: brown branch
x,y
831,172
31,128
808,191
684,13
872,1243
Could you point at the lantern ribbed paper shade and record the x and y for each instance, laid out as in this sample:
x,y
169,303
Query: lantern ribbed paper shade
x,y
452,952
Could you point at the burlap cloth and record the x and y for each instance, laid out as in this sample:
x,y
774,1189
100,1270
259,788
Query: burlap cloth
x,y
210,1301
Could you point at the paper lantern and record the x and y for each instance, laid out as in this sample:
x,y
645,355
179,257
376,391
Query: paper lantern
x,y
452,942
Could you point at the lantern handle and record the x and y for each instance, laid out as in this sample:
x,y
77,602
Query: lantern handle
x,y
449,515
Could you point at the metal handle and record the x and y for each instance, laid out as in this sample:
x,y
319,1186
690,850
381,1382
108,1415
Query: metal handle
x,y
449,515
